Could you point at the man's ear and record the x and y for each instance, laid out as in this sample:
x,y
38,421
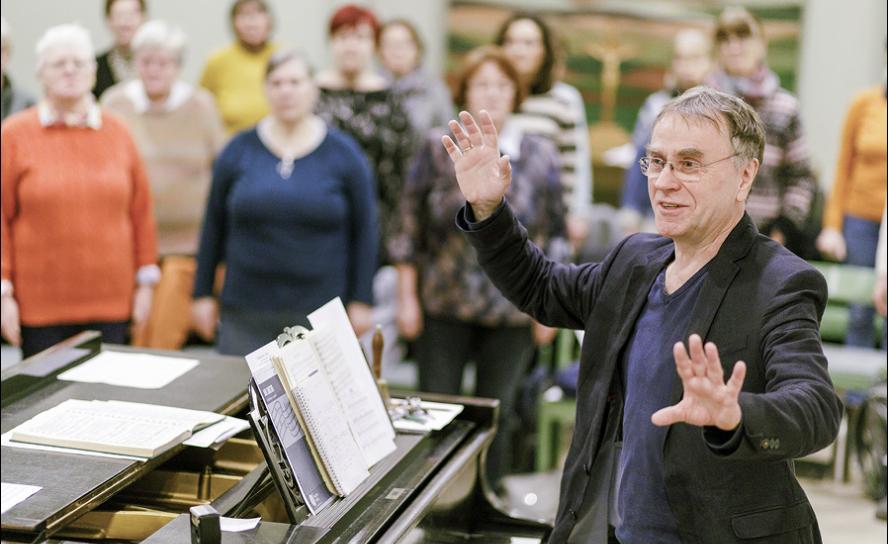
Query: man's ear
x,y
747,176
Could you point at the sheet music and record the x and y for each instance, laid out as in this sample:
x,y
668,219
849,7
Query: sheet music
x,y
322,412
352,380
93,425
140,370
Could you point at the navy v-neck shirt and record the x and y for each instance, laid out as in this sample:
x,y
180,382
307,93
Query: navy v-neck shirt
x,y
648,369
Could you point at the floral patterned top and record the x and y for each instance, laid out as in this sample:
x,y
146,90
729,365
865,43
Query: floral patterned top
x,y
451,282
379,123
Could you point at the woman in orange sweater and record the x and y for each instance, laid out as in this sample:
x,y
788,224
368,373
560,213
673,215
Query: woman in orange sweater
x,y
854,209
78,238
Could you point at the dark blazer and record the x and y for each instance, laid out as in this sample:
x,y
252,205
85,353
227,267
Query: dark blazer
x,y
760,304
104,74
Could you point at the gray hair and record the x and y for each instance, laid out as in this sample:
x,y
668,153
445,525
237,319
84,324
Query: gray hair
x,y
280,58
726,112
66,36
160,35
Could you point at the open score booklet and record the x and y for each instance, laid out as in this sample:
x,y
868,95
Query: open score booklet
x,y
335,398
127,428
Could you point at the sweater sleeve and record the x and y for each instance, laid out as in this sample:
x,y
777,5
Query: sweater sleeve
x,y
141,209
9,204
211,251
364,232
798,182
835,206
406,242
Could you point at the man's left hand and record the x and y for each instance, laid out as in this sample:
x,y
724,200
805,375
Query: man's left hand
x,y
708,400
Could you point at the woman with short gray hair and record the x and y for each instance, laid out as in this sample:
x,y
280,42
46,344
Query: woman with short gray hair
x,y
78,244
178,131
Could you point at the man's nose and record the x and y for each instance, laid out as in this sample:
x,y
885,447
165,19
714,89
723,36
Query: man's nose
x,y
667,179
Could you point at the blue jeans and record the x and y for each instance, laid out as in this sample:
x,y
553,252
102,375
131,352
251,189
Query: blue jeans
x,y
861,241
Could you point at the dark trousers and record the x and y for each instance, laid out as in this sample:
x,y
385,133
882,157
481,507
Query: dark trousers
x,y
37,339
501,356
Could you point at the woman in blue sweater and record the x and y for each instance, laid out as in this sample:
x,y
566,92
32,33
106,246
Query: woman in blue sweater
x,y
292,214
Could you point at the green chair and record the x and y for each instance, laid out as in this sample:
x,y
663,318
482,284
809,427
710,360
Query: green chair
x,y
847,284
554,413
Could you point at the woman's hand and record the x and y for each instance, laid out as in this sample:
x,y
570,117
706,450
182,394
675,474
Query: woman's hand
x,y
483,175
409,317
9,320
361,317
831,243
542,335
141,309
205,316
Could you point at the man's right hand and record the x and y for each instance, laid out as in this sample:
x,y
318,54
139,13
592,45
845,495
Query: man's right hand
x,y
483,175
9,320
205,315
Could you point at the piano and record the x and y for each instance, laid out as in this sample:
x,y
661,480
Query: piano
x,y
431,489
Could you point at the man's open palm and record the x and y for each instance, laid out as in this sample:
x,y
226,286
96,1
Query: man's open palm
x,y
483,175
707,400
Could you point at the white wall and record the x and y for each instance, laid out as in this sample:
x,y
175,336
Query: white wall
x,y
300,23
842,52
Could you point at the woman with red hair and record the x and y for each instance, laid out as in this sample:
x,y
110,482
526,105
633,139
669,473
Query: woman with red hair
x,y
356,99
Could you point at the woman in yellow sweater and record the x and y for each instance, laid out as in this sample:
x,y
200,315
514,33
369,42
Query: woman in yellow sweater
x,y
235,74
854,210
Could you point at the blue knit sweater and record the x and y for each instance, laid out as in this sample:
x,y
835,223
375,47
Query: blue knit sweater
x,y
289,243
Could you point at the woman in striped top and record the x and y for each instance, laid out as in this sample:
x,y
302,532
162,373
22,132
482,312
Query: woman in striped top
x,y
552,109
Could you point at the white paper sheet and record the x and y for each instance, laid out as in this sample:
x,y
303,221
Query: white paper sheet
x,y
140,370
439,415
218,433
13,494
376,432
237,525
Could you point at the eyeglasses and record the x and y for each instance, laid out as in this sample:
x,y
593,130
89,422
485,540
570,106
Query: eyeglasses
x,y
685,170
741,32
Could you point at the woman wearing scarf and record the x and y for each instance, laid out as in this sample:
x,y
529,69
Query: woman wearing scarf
x,y
781,198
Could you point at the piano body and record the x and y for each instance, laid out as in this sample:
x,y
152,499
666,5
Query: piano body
x,y
431,489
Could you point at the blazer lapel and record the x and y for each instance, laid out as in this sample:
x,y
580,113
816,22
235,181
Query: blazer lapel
x,y
722,270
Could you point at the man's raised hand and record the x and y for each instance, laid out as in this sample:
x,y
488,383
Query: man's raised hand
x,y
483,175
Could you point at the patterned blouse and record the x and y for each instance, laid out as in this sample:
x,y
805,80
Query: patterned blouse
x,y
451,282
379,123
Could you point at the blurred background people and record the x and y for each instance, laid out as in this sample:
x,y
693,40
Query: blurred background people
x,y
880,291
852,215
359,101
444,298
123,17
78,238
234,74
426,99
781,199
552,109
691,50
14,99
178,132
292,214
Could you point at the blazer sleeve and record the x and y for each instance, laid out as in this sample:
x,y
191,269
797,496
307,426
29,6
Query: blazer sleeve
x,y
799,412
553,293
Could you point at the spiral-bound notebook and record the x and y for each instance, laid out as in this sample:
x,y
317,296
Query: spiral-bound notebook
x,y
320,411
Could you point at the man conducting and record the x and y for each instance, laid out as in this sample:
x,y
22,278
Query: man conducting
x,y
665,449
